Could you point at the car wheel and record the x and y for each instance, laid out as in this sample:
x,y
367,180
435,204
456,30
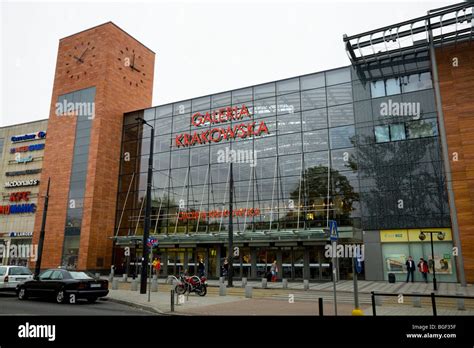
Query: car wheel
x,y
22,294
61,296
92,299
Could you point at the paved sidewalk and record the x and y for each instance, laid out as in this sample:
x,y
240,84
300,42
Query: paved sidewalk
x,y
276,301
224,305
365,287
160,302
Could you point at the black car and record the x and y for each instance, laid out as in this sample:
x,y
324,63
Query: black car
x,y
66,286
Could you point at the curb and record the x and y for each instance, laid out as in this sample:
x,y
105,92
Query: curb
x,y
137,305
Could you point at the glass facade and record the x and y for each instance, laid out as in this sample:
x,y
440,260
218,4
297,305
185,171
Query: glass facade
x,y
80,103
310,149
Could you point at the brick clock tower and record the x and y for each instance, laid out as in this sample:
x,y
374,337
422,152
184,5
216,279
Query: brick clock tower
x,y
101,73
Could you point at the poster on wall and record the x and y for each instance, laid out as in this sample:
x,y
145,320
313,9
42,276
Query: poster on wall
x,y
442,264
396,263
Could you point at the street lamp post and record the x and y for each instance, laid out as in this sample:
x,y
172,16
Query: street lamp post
x,y
433,259
230,253
146,230
42,232
440,236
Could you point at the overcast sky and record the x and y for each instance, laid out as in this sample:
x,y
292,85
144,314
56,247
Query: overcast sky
x,y
202,47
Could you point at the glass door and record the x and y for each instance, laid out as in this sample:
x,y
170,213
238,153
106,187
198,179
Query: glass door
x,y
171,262
212,263
286,263
191,267
246,262
261,262
298,262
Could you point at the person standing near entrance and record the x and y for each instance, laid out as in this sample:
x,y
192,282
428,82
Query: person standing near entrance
x,y
410,269
274,271
201,268
225,268
423,268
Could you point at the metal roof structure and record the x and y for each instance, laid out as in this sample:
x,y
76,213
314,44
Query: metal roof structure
x,y
320,235
401,48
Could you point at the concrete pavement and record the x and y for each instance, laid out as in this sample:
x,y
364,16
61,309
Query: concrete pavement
x,y
366,286
294,301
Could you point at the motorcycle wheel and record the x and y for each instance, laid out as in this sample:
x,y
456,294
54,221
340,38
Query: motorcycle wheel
x,y
180,289
203,291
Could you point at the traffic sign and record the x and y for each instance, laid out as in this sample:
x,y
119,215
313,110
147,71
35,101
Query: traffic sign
x,y
152,242
358,264
333,230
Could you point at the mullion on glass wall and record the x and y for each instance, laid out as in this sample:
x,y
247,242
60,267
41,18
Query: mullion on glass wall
x,y
277,166
275,104
168,199
328,142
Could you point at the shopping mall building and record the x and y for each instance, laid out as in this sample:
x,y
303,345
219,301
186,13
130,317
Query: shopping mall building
x,y
383,147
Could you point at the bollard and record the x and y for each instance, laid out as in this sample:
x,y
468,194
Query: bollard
x,y
416,300
374,306
139,278
306,284
97,275
460,302
248,291
221,280
172,301
154,285
433,304
134,285
284,283
321,308
244,282
115,284
124,278
222,289
264,283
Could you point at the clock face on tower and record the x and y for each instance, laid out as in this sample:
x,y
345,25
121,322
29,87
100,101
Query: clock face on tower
x,y
131,65
79,59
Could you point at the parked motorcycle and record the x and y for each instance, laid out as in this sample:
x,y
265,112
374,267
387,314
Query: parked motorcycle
x,y
191,284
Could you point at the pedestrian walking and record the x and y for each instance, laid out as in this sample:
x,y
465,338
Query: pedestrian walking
x,y
274,271
410,269
423,268
156,266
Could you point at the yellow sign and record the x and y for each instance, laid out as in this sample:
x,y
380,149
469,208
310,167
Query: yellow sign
x,y
394,236
413,235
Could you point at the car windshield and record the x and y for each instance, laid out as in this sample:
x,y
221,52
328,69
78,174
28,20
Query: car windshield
x,y
19,271
80,275
3,271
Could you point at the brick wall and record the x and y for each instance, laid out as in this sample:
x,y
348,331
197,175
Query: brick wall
x,y
114,96
457,95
